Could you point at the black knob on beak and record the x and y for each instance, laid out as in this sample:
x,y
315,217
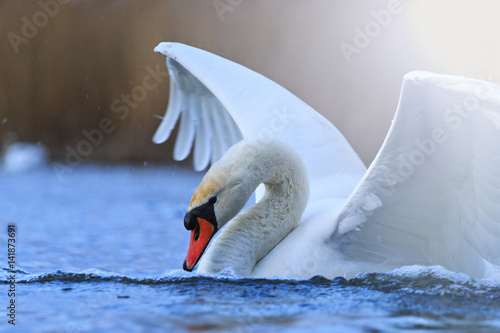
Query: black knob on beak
x,y
190,221
205,211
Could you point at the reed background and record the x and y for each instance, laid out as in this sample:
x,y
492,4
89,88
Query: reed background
x,y
66,77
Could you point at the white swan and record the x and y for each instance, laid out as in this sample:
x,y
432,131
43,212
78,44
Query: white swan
x,y
431,196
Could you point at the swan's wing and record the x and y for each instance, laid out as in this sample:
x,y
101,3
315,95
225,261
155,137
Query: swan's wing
x,y
432,195
204,120
220,102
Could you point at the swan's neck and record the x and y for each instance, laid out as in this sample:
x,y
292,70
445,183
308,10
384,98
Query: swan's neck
x,y
251,235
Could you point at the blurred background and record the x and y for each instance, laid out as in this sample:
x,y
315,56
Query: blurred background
x,y
66,64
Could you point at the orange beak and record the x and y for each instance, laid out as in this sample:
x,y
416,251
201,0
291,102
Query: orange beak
x,y
200,237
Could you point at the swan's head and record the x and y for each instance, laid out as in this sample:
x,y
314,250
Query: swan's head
x,y
221,195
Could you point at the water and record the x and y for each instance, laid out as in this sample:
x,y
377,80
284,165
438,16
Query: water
x,y
102,249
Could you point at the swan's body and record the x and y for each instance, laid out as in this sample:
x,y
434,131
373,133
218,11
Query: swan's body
x,y
431,196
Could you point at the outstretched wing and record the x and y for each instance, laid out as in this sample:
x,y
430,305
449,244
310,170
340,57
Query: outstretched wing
x,y
204,120
220,102
432,194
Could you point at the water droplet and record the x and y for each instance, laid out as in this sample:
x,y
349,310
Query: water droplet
x,y
4,120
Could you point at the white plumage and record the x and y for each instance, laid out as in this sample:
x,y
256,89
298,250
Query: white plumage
x,y
431,196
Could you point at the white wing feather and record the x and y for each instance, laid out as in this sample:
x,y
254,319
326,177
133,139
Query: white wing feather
x,y
432,195
201,115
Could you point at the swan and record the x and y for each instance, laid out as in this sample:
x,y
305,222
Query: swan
x,y
430,197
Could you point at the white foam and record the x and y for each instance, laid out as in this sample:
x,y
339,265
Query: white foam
x,y
415,271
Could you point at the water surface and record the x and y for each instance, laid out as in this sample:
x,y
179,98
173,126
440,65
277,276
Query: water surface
x,y
102,249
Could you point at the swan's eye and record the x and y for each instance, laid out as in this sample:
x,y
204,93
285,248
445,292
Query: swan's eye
x,y
212,200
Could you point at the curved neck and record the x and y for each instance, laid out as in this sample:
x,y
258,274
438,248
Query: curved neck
x,y
251,235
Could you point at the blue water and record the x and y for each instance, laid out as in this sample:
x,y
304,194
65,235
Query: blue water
x,y
102,249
